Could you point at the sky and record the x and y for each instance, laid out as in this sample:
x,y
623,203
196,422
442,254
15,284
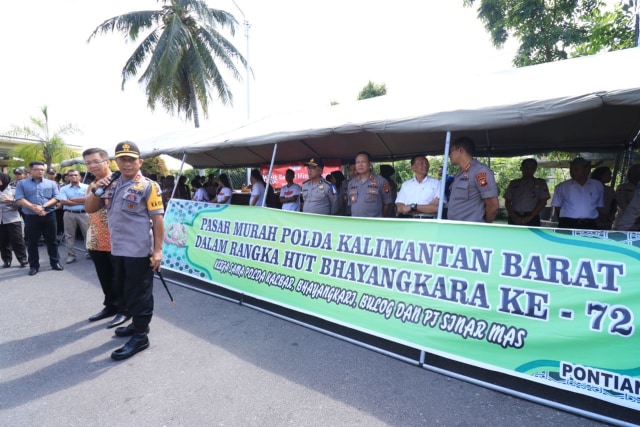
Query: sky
x,y
303,55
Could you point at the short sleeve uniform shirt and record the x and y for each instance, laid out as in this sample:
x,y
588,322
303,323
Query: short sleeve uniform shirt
x,y
129,208
319,198
470,187
526,193
420,193
367,197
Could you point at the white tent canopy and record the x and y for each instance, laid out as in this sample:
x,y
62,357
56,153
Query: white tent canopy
x,y
584,104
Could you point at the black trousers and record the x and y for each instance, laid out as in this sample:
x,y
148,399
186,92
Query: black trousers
x,y
133,278
36,225
60,220
577,223
11,238
103,262
535,221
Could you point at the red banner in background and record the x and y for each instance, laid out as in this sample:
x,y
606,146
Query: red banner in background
x,y
300,170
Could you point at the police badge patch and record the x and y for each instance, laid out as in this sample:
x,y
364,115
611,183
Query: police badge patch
x,y
482,179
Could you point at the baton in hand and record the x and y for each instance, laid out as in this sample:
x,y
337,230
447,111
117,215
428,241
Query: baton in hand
x,y
166,288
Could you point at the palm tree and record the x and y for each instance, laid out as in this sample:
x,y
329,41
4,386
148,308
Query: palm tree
x,y
51,148
181,53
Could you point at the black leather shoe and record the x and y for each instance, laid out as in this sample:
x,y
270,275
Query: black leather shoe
x,y
6,265
33,271
103,314
23,263
118,320
57,267
136,344
127,331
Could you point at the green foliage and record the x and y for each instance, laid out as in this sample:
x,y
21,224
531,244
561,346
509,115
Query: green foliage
x,y
155,165
181,53
608,30
50,147
554,30
504,169
371,90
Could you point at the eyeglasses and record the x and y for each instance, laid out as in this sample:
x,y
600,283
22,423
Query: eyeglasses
x,y
96,163
72,174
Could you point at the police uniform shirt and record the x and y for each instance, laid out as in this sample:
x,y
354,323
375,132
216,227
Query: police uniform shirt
x,y
526,193
470,187
289,191
319,198
367,197
578,201
631,213
129,208
8,208
624,195
420,193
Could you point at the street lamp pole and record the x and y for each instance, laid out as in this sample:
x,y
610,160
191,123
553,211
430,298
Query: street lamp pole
x,y
246,26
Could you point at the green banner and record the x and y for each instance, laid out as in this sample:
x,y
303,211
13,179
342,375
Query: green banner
x,y
551,306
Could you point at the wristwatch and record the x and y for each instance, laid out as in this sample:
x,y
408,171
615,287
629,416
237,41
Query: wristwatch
x,y
413,207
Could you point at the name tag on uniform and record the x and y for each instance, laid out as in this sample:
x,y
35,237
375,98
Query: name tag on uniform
x,y
132,197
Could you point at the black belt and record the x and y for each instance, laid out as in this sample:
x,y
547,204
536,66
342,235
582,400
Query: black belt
x,y
423,216
82,211
578,220
580,223
522,213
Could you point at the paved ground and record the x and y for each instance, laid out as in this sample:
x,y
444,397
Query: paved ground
x,y
212,362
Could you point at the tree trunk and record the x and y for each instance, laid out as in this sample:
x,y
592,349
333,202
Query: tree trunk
x,y
194,106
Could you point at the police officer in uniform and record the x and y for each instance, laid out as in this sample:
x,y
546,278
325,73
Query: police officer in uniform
x,y
474,192
135,219
318,195
631,214
368,194
525,197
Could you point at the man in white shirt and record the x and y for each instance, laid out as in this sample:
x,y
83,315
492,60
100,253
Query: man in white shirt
x,y
290,193
575,201
421,194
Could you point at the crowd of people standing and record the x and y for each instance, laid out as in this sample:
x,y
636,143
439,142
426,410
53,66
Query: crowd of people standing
x,y
120,215
585,201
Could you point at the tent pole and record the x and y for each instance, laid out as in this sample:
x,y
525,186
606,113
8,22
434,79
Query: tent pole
x,y
443,178
266,188
175,184
616,170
